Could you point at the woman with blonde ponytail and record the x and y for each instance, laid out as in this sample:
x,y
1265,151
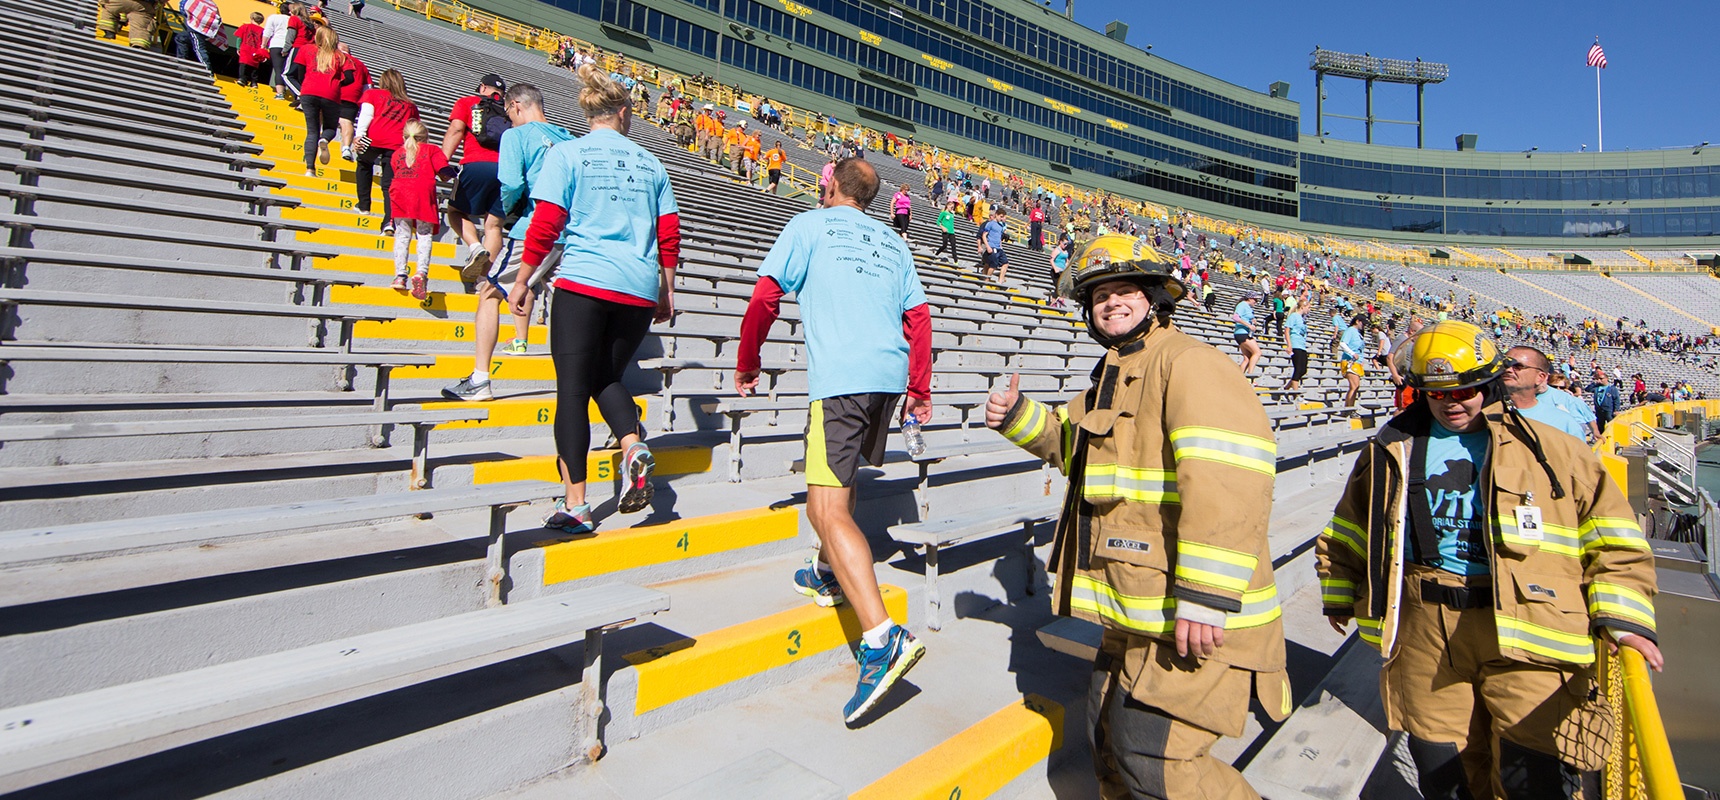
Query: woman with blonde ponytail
x,y
608,203
326,70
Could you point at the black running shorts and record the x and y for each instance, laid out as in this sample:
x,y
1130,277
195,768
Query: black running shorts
x,y
842,430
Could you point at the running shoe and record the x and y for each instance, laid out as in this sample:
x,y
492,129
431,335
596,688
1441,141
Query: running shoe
x,y
399,283
420,287
388,227
322,151
477,265
880,669
637,467
345,153
516,347
467,390
575,520
824,591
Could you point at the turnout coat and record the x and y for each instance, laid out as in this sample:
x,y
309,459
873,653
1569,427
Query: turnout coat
x,y
1170,461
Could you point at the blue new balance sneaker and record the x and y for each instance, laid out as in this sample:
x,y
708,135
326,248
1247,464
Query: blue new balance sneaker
x,y
570,519
824,591
880,669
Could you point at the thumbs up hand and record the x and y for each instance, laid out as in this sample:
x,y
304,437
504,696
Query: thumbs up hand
x,y
998,405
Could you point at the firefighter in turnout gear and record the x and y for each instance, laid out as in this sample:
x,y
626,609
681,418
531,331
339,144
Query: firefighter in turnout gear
x,y
1162,540
1484,554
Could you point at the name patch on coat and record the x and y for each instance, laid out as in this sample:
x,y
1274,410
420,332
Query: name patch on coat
x,y
1128,544
1535,588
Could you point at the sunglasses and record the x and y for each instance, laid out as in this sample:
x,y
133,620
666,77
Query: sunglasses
x,y
1452,395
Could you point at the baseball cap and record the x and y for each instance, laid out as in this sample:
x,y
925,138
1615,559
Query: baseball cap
x,y
493,81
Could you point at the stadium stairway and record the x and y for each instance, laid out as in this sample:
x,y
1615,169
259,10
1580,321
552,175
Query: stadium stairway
x,y
427,642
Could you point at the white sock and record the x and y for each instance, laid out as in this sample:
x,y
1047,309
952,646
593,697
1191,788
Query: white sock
x,y
823,569
480,376
876,637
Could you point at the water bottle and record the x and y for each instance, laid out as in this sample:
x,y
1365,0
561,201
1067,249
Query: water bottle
x,y
911,434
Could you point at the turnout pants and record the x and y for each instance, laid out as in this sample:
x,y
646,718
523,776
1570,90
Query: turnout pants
x,y
1142,750
139,20
1482,726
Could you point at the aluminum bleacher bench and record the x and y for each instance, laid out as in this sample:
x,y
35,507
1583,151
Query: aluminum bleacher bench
x,y
34,149
81,118
296,251
318,280
257,201
383,363
52,739
165,113
347,316
136,534
27,196
61,132
943,530
421,421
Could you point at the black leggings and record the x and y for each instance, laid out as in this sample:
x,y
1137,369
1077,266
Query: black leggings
x,y
1298,365
322,121
366,172
949,242
592,342
278,65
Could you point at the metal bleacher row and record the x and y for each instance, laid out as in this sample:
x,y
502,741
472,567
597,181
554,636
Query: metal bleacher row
x,y
227,569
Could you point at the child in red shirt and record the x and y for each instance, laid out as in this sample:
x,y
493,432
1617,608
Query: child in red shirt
x,y
252,53
413,198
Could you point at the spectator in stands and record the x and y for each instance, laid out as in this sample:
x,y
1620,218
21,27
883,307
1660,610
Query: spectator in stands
x,y
617,275
1183,653
1404,394
1243,331
324,72
412,196
475,128
524,146
994,263
139,20
902,209
202,31
1297,327
773,161
382,115
868,339
1496,529
350,94
947,224
1526,382
1350,363
1036,227
279,36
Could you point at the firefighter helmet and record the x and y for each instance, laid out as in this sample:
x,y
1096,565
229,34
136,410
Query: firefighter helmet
x,y
1117,257
1450,355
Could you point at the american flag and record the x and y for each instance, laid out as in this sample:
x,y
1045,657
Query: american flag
x,y
1597,56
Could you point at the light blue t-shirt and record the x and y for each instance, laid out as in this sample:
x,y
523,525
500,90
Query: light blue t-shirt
x,y
993,231
1557,413
1353,346
613,191
1244,315
1575,406
1454,464
521,162
854,279
1298,328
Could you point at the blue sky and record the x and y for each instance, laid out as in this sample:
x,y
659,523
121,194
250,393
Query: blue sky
x,y
1518,77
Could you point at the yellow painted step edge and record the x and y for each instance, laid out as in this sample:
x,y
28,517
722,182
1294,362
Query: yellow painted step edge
x,y
980,760
645,545
684,668
515,411
600,465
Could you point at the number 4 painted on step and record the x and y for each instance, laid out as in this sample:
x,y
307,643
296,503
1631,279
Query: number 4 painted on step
x,y
683,543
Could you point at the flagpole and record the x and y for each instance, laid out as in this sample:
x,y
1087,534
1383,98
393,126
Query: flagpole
x,y
1600,143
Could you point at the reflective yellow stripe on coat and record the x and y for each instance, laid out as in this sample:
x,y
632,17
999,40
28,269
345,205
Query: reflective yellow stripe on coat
x,y
1157,615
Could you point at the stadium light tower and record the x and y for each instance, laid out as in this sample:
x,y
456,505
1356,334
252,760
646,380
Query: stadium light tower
x,y
1367,68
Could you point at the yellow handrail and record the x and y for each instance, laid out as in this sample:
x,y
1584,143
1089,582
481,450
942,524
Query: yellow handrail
x,y
1653,754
